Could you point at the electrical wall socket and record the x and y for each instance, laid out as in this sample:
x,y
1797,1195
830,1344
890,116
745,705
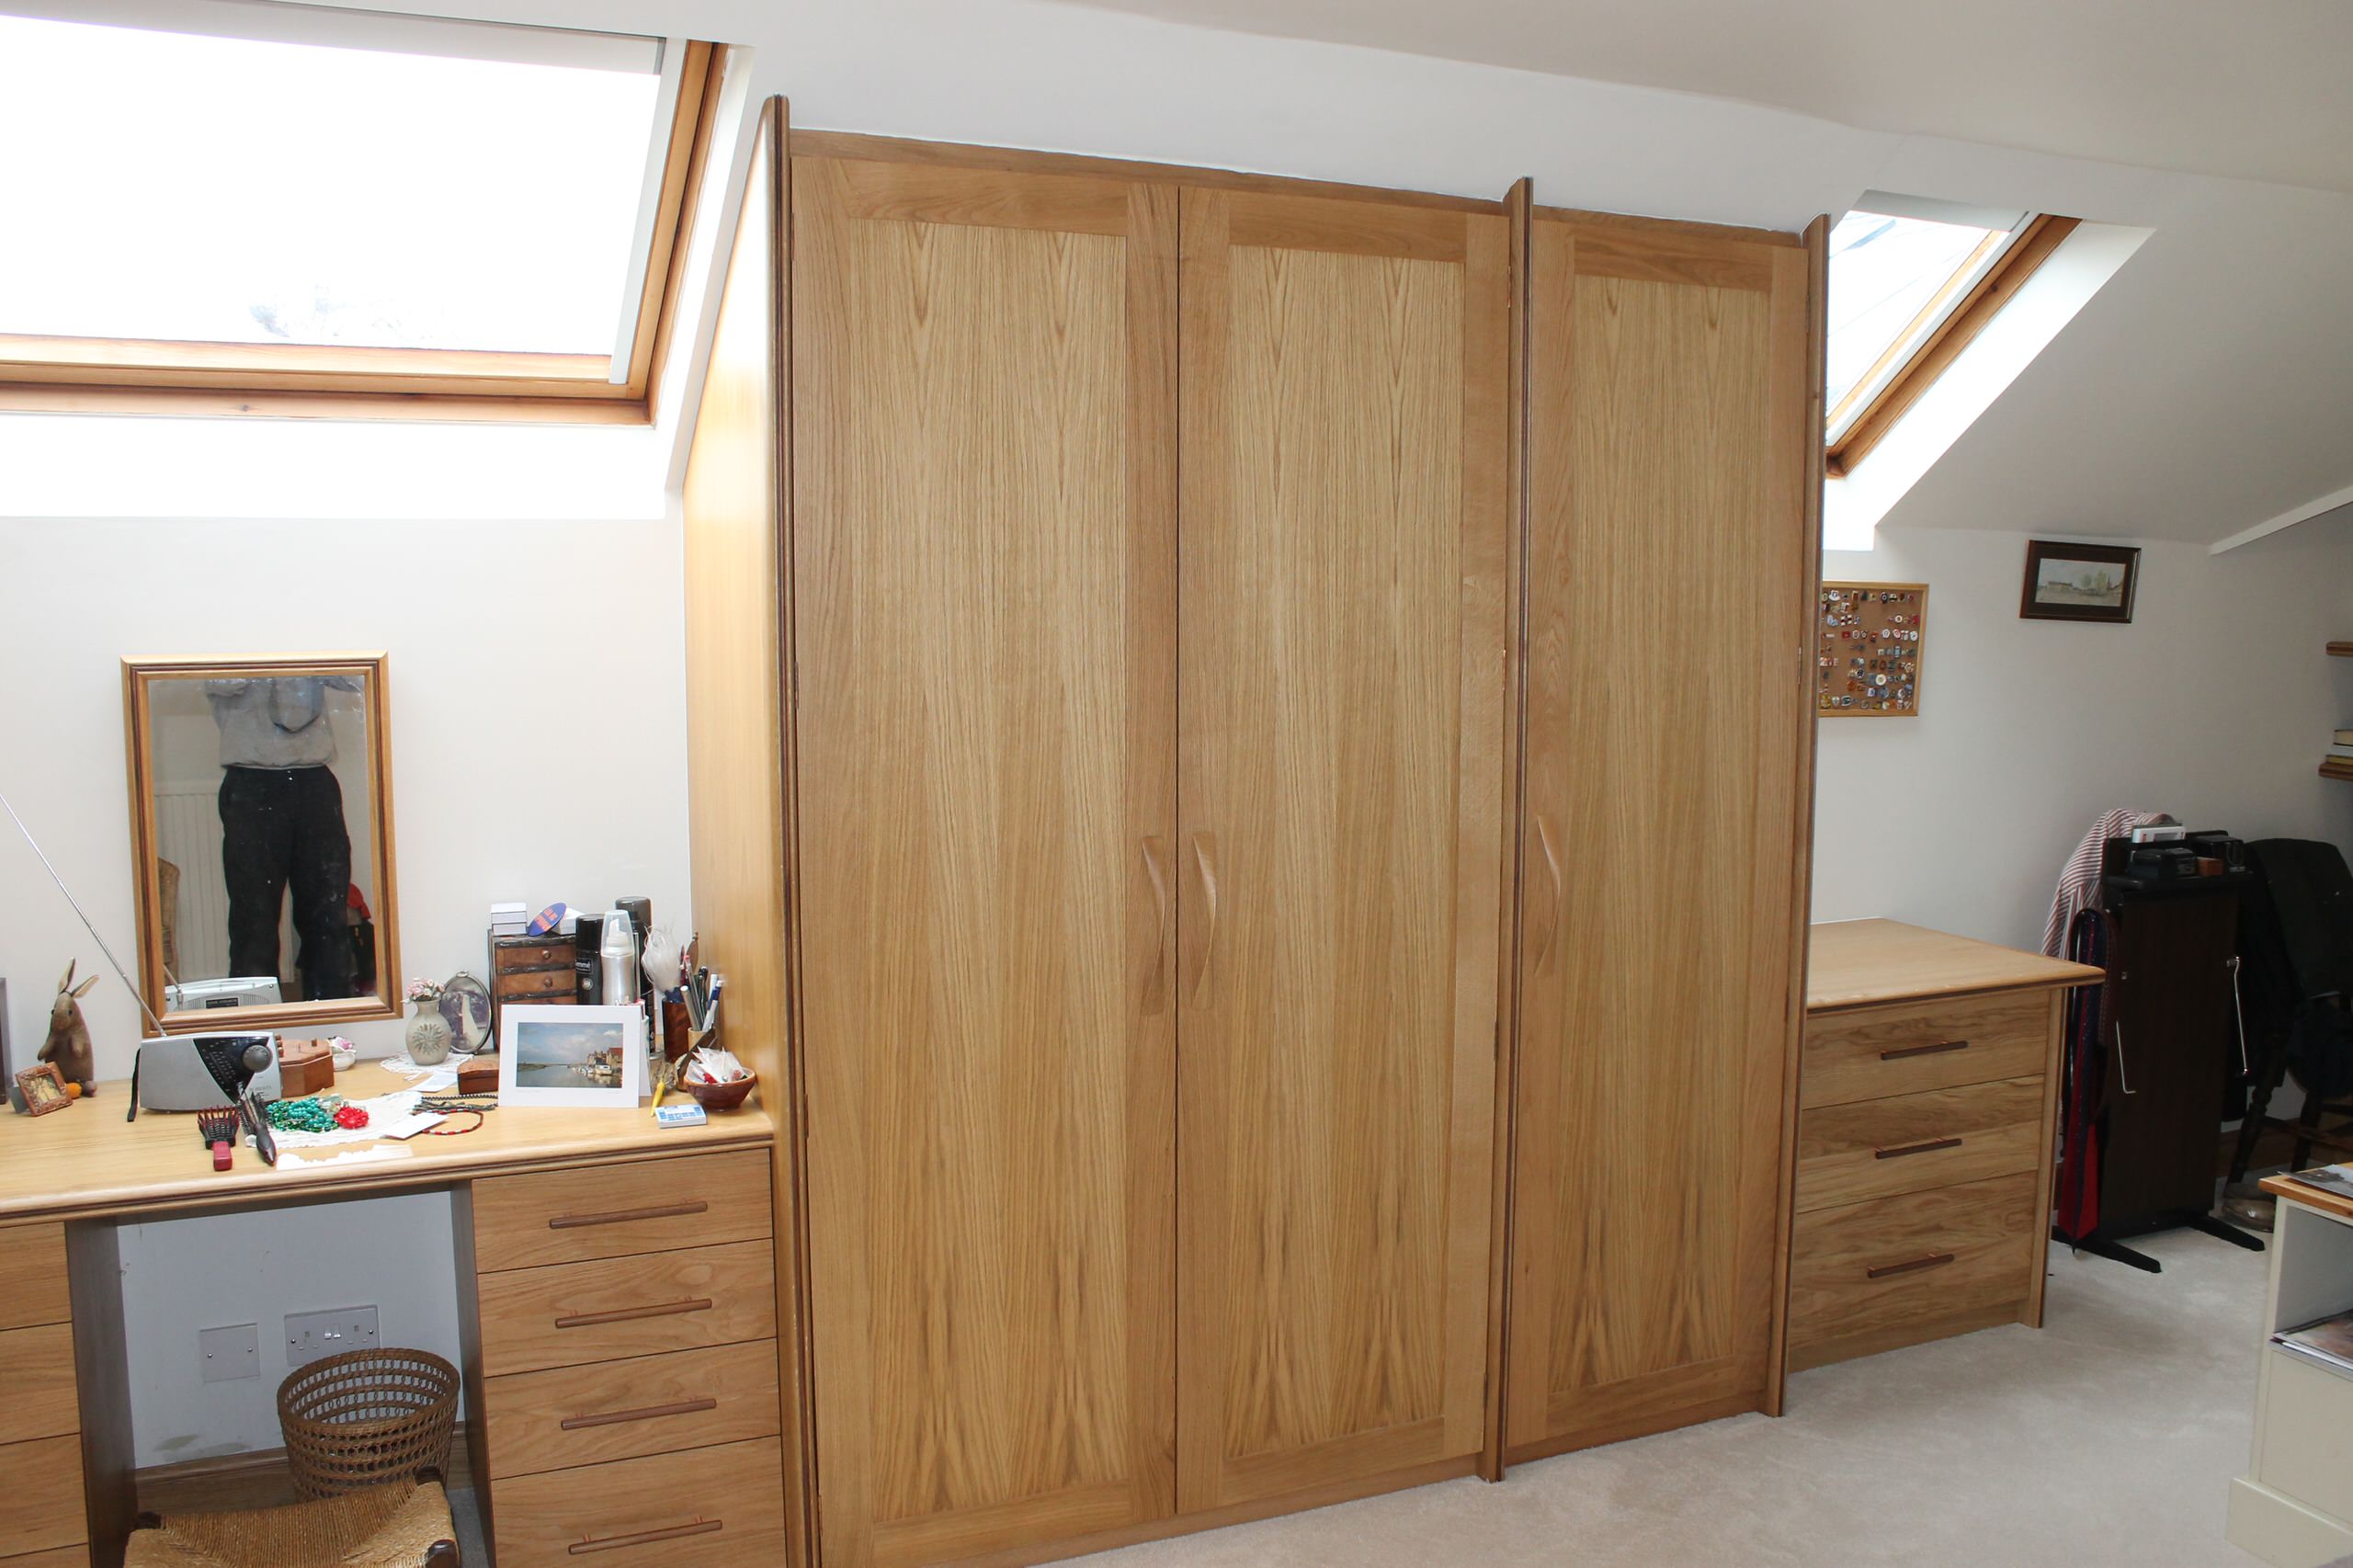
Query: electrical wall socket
x,y
228,1354
311,1336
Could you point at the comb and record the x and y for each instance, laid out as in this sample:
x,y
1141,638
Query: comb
x,y
219,1127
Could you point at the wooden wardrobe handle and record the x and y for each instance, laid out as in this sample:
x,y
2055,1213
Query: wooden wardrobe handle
x,y
1930,1147
1548,948
1155,990
623,1216
1911,1266
1205,868
645,1538
628,1315
1936,1048
651,1412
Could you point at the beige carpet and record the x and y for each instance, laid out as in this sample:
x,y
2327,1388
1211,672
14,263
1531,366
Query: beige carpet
x,y
2105,1441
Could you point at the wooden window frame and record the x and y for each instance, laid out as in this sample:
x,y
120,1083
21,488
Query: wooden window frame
x,y
88,375
1937,352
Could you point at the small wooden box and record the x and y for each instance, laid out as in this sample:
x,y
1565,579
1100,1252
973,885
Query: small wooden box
x,y
304,1067
479,1076
530,969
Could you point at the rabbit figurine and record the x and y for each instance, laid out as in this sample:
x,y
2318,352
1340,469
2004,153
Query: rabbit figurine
x,y
68,1048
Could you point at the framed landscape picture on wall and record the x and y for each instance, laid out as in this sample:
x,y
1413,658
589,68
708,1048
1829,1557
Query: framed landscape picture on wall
x,y
2079,582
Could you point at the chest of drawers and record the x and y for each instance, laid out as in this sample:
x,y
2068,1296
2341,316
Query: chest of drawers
x,y
1925,1108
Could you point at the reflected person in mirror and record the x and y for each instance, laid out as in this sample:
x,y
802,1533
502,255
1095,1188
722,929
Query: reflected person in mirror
x,y
281,825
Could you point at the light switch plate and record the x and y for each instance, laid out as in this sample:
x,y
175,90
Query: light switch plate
x,y
311,1336
228,1354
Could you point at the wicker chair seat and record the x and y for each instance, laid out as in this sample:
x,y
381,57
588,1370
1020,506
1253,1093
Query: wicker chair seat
x,y
405,1524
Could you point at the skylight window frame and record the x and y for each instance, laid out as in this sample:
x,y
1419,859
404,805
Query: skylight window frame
x,y
102,375
1944,327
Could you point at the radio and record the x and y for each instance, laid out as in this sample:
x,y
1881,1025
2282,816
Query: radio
x,y
198,1071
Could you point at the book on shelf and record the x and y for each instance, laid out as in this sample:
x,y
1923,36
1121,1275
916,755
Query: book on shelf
x,y
2328,1342
2344,738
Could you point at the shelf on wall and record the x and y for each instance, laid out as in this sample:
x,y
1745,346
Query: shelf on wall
x,y
2333,768
2341,650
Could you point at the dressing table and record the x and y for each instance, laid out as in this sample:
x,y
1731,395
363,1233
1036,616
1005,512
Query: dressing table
x,y
616,1312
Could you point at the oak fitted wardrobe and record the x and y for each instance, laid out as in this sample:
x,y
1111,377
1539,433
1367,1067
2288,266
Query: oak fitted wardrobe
x,y
1248,739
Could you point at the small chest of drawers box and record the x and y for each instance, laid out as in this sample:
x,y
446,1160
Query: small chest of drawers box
x,y
1926,1106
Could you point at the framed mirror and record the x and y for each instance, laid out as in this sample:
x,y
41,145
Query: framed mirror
x,y
261,828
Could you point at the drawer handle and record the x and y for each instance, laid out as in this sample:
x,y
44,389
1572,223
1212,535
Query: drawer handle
x,y
1914,1265
645,1538
626,1314
651,1412
623,1216
1931,1146
1938,1049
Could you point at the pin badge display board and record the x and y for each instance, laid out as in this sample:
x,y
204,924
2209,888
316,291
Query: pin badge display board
x,y
1866,661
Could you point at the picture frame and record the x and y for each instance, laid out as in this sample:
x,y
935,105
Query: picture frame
x,y
562,1054
2067,581
43,1088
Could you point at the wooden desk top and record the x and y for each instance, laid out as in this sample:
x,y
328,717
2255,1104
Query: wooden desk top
x,y
87,1160
2310,1196
1861,963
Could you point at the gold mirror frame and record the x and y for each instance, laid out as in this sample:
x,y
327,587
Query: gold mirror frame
x,y
138,674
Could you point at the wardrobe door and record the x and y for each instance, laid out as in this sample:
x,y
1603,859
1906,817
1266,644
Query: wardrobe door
x,y
1343,637
984,556
1668,734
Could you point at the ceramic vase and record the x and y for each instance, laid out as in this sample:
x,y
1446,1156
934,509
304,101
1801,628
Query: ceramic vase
x,y
428,1035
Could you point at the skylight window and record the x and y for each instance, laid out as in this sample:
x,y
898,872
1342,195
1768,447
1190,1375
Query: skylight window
x,y
341,203
1911,282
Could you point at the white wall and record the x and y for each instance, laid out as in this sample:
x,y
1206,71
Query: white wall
x,y
2215,704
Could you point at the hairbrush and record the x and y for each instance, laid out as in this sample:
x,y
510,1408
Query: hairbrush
x,y
219,1127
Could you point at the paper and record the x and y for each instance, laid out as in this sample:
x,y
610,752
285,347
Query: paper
x,y
345,1156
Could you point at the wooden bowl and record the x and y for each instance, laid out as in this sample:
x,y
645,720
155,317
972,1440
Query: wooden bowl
x,y
720,1097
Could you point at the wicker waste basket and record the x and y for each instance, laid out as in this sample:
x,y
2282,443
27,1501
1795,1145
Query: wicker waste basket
x,y
367,1417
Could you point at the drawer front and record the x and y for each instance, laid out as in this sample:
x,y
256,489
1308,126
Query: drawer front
x,y
523,1221
2307,1450
619,1410
1875,1148
32,1263
574,1314
719,1507
1895,1264
37,1396
508,957
535,986
1907,1050
44,1508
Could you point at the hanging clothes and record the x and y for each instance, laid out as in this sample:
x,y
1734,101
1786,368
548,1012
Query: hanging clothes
x,y
2078,886
2083,1085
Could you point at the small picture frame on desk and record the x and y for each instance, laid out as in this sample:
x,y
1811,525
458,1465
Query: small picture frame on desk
x,y
573,1056
43,1088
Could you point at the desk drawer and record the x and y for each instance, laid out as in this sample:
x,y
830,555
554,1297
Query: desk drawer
x,y
1891,1270
37,1396
719,1507
1919,1046
535,984
571,1216
1906,1143
617,1410
33,1262
572,1314
44,1508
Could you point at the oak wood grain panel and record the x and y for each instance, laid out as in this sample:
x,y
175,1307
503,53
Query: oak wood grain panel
x,y
1345,647
37,1387
1911,1047
933,193
616,1410
1865,962
1948,1253
985,544
77,1556
45,1507
1659,864
32,1261
720,1508
523,1221
577,1313
1877,1148
1292,222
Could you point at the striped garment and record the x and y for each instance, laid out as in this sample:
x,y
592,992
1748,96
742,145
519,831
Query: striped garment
x,y
2079,880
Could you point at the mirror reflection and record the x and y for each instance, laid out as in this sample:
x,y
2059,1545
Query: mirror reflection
x,y
265,859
